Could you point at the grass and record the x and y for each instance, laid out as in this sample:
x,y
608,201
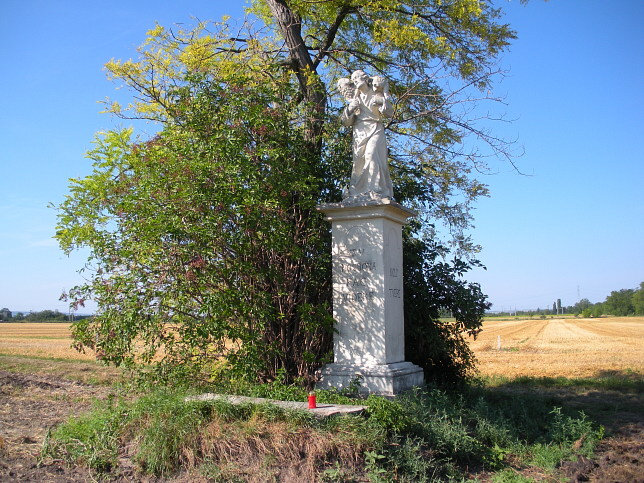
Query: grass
x,y
627,381
420,436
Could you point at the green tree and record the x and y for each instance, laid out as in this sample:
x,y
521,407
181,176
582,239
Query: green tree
x,y
5,314
598,310
638,300
205,238
580,306
46,316
620,302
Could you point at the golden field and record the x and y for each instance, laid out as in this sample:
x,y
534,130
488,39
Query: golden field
x,y
561,347
39,339
551,347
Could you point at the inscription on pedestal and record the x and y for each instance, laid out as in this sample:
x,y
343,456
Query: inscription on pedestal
x,y
368,300
356,277
354,269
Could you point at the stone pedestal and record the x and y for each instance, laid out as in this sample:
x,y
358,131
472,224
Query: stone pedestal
x,y
368,298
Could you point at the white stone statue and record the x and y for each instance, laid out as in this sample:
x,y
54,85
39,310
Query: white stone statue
x,y
368,104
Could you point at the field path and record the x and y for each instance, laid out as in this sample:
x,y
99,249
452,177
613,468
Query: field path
x,y
30,405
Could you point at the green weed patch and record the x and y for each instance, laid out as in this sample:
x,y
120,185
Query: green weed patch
x,y
424,435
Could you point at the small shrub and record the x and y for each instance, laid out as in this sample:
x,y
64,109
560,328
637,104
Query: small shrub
x,y
388,414
90,440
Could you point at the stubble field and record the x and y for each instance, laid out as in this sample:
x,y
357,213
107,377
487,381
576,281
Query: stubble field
x,y
549,348
563,347
39,340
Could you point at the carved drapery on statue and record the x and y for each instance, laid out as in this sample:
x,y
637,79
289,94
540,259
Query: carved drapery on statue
x,y
368,105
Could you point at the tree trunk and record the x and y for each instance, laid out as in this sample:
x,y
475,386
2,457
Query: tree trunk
x,y
312,88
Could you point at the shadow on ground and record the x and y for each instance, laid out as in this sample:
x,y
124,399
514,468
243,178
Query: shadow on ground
x,y
614,399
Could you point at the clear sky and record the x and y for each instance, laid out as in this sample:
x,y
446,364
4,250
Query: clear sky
x,y
573,227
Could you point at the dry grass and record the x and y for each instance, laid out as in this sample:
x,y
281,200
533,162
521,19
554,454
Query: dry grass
x,y
257,450
40,340
561,347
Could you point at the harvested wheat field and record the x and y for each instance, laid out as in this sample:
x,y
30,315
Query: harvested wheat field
x,y
561,347
40,340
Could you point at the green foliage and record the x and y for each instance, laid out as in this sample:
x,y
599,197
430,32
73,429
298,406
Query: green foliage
x,y
213,239
510,475
388,414
638,300
431,287
46,316
90,439
170,426
598,310
205,241
581,306
620,303
567,430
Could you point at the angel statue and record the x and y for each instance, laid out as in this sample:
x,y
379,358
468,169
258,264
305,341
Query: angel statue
x,y
368,104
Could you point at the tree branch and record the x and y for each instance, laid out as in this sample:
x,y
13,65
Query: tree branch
x,y
333,30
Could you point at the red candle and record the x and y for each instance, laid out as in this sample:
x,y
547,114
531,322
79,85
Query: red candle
x,y
312,403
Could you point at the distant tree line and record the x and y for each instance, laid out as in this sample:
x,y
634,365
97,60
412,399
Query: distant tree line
x,y
7,315
619,303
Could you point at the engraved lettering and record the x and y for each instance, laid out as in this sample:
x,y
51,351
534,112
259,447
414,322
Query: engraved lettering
x,y
368,266
360,296
357,267
393,272
394,292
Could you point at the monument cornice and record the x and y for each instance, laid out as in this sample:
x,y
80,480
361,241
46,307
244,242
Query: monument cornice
x,y
365,209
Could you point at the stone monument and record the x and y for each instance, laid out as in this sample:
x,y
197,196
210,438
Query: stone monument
x,y
369,346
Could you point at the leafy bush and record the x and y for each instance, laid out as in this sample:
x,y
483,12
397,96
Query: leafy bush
x,y
433,286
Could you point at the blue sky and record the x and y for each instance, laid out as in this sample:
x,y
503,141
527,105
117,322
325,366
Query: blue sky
x,y
573,225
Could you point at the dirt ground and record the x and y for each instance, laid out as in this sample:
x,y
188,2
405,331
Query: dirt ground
x,y
619,457
29,406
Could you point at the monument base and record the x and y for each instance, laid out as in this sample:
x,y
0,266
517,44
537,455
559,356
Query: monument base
x,y
384,379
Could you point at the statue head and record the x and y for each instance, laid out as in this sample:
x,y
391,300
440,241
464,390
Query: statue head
x,y
360,79
346,88
380,84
